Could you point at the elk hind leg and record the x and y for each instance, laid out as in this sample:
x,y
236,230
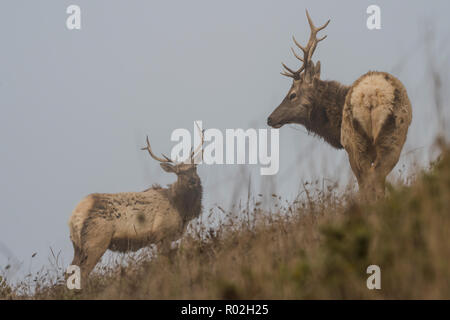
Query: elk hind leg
x,y
94,245
387,158
77,256
360,163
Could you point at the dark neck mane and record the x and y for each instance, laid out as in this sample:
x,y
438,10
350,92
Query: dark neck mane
x,y
187,199
325,117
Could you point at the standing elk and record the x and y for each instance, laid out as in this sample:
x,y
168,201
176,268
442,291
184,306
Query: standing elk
x,y
132,220
369,119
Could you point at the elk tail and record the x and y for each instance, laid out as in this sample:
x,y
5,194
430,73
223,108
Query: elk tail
x,y
382,120
370,125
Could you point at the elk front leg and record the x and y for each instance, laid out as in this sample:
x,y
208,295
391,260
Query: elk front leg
x,y
165,249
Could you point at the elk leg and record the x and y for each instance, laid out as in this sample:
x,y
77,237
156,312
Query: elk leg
x,y
387,158
360,164
76,255
165,248
95,244
92,257
76,261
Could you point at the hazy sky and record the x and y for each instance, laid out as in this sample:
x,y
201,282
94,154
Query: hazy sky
x,y
76,105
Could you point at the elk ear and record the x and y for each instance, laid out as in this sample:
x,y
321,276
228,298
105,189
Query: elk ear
x,y
167,167
317,70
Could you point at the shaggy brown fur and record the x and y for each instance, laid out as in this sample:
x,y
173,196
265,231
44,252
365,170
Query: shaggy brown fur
x,y
370,118
317,105
132,220
325,111
376,117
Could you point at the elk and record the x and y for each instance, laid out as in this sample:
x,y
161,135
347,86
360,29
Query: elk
x,y
369,118
132,220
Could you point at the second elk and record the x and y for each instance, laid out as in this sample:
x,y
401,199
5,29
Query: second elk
x,y
369,118
132,220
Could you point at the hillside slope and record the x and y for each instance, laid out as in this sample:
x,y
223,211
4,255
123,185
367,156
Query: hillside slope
x,y
314,249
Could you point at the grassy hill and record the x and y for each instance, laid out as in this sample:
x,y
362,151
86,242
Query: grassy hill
x,y
317,248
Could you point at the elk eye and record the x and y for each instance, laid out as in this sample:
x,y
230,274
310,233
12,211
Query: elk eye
x,y
292,96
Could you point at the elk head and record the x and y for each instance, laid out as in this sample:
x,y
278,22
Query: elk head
x,y
186,171
297,106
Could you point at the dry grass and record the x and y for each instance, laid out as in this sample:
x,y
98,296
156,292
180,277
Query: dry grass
x,y
316,248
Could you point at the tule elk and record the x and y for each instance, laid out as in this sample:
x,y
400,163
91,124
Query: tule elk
x,y
132,220
369,119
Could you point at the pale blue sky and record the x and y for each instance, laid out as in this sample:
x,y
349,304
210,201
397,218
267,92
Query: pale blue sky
x,y
76,105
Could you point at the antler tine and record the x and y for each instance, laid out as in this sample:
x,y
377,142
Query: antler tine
x,y
313,27
149,149
288,69
299,45
296,55
287,74
320,39
324,25
202,136
311,23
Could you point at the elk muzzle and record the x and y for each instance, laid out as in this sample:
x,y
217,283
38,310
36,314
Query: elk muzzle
x,y
278,117
271,123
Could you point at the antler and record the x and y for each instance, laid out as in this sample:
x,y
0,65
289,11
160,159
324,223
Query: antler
x,y
307,51
166,159
149,149
202,136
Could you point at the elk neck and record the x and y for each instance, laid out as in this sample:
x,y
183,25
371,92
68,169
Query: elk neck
x,y
186,195
325,118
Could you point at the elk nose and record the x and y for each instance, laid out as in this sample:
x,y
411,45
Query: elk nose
x,y
269,121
